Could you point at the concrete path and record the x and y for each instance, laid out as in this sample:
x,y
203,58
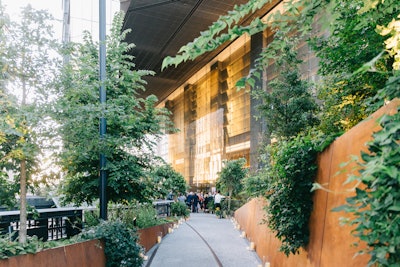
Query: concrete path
x,y
203,240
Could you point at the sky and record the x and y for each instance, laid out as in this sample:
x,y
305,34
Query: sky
x,y
84,14
54,6
13,8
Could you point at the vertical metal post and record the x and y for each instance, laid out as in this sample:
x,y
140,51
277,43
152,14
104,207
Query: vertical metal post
x,y
66,25
102,63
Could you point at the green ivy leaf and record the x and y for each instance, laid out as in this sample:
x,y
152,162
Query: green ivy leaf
x,y
241,83
395,208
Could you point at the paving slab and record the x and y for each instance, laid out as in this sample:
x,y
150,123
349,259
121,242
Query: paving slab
x,y
203,240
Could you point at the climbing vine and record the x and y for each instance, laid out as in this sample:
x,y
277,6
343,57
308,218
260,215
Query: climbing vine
x,y
289,193
376,206
225,28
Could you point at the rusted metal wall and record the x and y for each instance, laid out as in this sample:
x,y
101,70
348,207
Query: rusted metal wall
x,y
148,236
331,244
85,254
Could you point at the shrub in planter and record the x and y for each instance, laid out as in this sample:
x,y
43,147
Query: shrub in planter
x,y
91,218
121,247
10,248
179,209
140,215
146,216
289,193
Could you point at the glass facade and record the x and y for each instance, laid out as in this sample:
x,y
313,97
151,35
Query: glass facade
x,y
213,119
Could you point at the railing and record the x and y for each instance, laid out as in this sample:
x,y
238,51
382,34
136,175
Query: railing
x,y
163,207
46,224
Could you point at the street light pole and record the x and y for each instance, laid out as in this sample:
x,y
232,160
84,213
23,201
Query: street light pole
x,y
102,63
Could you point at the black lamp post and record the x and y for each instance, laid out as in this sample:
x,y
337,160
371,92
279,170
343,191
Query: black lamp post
x,y
102,63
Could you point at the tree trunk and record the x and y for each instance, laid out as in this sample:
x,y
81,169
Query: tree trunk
x,y
23,205
229,201
23,179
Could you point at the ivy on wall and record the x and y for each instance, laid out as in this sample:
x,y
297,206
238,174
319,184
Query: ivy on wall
x,y
376,206
289,198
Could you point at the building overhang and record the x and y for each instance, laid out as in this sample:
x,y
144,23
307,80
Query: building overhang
x,y
161,27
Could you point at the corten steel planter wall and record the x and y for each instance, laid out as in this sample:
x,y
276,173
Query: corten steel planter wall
x,y
330,243
85,254
148,236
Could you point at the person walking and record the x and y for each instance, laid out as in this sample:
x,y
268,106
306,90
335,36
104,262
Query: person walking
x,y
217,203
181,198
189,200
195,203
207,199
201,201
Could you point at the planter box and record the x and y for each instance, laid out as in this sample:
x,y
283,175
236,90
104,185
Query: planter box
x,y
84,254
148,236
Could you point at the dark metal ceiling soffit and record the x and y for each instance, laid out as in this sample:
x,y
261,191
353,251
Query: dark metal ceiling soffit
x,y
152,65
153,5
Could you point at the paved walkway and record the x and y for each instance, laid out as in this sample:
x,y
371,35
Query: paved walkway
x,y
203,240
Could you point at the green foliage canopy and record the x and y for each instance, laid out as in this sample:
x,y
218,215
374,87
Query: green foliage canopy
x,y
353,41
27,69
120,243
289,195
231,178
163,180
287,104
133,123
8,140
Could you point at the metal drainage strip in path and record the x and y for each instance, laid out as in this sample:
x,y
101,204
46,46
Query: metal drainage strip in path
x,y
202,238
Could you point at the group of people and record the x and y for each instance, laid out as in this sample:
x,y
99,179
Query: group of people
x,y
197,201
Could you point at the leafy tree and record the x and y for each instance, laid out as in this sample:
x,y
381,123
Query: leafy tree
x,y
231,178
164,179
353,41
29,68
3,24
132,122
287,104
391,32
8,189
255,185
